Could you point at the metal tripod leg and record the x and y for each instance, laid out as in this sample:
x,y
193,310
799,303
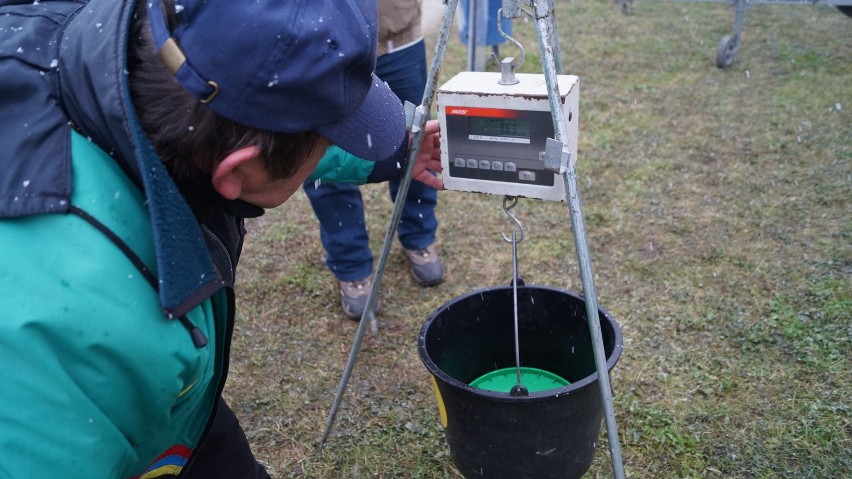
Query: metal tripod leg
x,y
544,15
590,297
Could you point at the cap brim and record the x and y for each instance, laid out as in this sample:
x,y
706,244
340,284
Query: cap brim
x,y
375,130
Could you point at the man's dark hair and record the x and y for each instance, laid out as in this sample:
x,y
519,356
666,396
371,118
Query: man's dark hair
x,y
189,137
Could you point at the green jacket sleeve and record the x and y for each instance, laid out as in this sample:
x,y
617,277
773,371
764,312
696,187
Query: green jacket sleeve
x,y
342,167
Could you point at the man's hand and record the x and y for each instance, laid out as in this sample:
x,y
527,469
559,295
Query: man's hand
x,y
428,160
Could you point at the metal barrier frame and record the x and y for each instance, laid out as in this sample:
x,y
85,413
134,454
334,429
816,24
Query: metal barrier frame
x,y
730,44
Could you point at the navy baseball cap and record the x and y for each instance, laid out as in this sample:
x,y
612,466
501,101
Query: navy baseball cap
x,y
286,66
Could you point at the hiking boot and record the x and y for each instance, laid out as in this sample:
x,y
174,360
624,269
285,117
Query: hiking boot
x,y
354,295
426,267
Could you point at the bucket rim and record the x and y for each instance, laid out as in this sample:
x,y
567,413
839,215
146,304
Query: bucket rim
x,y
433,368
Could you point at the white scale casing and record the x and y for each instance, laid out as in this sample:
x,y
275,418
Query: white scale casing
x,y
493,136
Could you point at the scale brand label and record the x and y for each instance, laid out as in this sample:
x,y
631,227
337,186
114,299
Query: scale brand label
x,y
482,112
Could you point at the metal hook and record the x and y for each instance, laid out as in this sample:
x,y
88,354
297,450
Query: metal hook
x,y
507,37
506,207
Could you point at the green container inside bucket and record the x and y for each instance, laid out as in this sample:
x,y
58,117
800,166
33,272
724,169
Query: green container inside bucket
x,y
534,379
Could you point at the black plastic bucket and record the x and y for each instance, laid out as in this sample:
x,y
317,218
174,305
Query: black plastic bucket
x,y
548,434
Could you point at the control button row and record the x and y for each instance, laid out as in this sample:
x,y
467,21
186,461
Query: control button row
x,y
486,164
495,165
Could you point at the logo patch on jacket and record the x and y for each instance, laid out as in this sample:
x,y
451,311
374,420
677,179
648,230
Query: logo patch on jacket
x,y
168,464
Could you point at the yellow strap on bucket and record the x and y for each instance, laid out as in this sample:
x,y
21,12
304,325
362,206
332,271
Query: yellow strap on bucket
x,y
441,407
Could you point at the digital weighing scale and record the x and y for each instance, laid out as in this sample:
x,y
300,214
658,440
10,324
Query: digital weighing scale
x,y
494,136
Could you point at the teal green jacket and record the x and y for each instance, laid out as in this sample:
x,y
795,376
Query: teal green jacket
x,y
96,381
116,299
90,363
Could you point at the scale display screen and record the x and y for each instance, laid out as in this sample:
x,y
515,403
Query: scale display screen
x,y
498,144
506,130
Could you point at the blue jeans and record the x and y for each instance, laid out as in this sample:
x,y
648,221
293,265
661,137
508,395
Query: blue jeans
x,y
339,207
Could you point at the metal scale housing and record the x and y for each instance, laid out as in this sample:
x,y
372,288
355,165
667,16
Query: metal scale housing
x,y
493,135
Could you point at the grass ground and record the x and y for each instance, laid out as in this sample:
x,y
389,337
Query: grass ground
x,y
717,207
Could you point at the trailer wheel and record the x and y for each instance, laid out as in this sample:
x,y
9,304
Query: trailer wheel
x,y
727,50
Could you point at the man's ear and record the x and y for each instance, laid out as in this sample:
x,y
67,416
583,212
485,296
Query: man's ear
x,y
226,176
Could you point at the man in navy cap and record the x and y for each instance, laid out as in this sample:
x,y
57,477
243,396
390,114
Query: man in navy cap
x,y
136,137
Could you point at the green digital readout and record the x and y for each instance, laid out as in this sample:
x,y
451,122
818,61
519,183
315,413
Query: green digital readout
x,y
499,127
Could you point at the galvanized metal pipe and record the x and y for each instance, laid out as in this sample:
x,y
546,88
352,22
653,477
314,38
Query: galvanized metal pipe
x,y
589,295
543,11
739,17
543,16
471,18
554,42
